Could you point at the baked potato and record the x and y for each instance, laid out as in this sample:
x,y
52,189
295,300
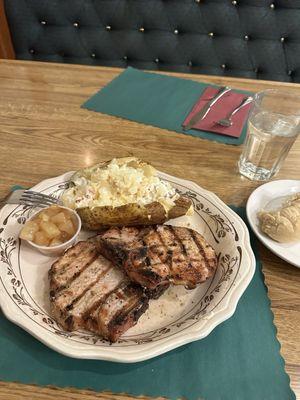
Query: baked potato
x,y
123,191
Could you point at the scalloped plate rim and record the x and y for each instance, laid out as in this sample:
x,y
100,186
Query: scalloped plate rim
x,y
138,353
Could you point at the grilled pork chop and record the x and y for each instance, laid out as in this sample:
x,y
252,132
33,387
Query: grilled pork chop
x,y
159,255
87,291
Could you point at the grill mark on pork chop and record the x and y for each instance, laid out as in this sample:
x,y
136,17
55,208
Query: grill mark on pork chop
x,y
74,255
165,263
78,318
163,254
156,252
162,263
178,239
169,243
200,247
132,246
135,264
146,261
81,284
99,285
100,301
172,254
122,320
210,262
76,263
121,310
189,271
72,252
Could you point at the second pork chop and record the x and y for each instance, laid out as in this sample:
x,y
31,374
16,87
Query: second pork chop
x,y
160,254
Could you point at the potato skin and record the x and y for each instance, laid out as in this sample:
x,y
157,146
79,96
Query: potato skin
x,y
182,205
132,214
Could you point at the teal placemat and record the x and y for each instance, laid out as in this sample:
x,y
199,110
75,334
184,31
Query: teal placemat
x,y
154,99
239,360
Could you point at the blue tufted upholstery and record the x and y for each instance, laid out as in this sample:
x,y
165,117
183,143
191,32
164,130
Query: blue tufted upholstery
x,y
243,38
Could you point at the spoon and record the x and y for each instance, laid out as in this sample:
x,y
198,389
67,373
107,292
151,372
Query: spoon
x,y
227,121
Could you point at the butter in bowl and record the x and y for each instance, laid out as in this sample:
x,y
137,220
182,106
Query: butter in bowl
x,y
283,224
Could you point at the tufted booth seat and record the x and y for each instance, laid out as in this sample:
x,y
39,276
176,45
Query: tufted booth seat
x,y
242,38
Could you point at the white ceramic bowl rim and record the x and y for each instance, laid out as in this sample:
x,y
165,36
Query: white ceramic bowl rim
x,y
64,244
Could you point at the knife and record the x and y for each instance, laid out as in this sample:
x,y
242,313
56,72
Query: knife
x,y
206,108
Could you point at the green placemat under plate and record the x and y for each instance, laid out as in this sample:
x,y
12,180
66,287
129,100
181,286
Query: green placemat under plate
x,y
155,99
239,360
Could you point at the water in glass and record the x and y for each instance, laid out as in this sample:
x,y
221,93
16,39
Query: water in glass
x,y
269,139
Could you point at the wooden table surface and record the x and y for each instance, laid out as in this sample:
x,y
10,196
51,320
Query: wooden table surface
x,y
44,132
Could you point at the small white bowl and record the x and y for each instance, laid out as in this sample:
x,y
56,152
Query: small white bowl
x,y
59,249
258,200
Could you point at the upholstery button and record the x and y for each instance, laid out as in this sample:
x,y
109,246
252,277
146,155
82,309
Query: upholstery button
x,y
223,66
93,55
176,31
31,51
190,64
76,24
290,72
108,27
234,2
43,22
246,37
125,58
282,39
142,29
156,60
272,6
211,34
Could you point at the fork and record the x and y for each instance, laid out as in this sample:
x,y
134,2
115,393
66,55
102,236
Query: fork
x,y
227,121
31,198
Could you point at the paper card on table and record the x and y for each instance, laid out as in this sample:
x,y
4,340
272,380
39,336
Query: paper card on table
x,y
221,109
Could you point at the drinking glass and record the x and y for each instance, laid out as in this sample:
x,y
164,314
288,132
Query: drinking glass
x,y
273,126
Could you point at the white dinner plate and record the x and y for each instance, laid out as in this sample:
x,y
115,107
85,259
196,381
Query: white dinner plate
x,y
259,200
178,317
